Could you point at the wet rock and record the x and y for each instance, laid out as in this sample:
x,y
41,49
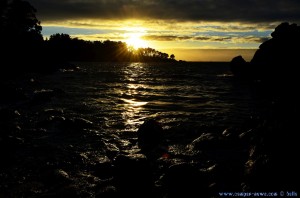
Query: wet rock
x,y
11,137
205,141
54,112
133,175
75,125
101,165
12,94
61,175
231,138
247,136
271,157
257,173
42,95
82,123
67,191
184,180
108,192
230,133
151,139
52,123
65,125
104,169
56,177
112,150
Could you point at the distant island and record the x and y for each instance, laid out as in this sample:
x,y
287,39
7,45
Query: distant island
x,y
24,48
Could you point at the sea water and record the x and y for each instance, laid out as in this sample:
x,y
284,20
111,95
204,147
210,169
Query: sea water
x,y
119,97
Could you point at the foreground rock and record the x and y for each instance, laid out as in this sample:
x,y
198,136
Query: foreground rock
x,y
276,60
273,145
151,139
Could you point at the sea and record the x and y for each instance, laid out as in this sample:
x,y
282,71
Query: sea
x,y
61,129
119,97
73,132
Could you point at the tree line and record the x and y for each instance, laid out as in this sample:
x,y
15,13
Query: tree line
x,y
74,49
23,47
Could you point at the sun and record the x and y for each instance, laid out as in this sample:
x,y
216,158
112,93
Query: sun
x,y
135,40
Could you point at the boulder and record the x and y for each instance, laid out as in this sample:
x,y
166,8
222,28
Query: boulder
x,y
276,60
151,140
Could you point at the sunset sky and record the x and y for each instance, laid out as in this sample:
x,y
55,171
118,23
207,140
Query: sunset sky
x,y
193,30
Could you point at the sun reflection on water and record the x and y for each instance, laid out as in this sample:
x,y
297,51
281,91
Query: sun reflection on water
x,y
133,106
133,103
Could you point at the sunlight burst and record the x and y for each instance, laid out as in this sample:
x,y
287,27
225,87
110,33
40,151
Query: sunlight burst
x,y
135,40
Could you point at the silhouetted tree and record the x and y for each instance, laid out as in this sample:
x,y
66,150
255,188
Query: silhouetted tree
x,y
20,31
21,41
3,8
61,47
22,22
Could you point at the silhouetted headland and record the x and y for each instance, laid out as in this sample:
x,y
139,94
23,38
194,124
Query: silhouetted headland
x,y
273,75
24,49
275,61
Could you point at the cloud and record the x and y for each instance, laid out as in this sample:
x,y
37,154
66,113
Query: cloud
x,y
249,39
232,39
252,11
169,23
166,37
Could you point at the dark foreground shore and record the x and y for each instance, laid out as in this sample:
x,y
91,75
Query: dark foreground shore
x,y
51,152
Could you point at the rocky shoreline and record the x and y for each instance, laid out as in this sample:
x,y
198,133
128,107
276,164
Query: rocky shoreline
x,y
53,152
49,152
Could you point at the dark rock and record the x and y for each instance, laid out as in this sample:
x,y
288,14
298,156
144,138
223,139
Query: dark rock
x,y
205,141
104,170
61,175
230,133
9,120
56,176
151,139
248,136
133,175
54,112
43,95
107,192
12,94
239,67
111,149
276,60
271,157
65,125
185,180
82,123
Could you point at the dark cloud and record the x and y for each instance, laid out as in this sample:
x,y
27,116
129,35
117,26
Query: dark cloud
x,y
202,38
251,39
167,38
183,10
257,39
160,37
212,38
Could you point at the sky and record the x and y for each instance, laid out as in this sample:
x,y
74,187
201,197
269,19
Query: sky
x,y
192,30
